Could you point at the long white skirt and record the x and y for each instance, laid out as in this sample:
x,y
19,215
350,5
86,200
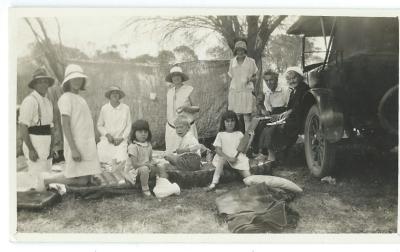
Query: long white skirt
x,y
107,151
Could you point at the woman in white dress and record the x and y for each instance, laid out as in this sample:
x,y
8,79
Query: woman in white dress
x,y
81,160
178,103
243,71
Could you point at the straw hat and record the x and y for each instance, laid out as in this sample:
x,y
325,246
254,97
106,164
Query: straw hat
x,y
176,71
240,45
40,73
115,88
294,69
72,72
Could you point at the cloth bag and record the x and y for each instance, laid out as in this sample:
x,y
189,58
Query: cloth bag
x,y
164,188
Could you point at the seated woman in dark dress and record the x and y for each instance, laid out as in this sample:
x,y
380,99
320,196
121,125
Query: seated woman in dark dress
x,y
278,137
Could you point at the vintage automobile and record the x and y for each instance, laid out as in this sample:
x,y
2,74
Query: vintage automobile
x,y
353,84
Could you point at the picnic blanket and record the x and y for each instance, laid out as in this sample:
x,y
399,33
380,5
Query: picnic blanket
x,y
35,200
256,209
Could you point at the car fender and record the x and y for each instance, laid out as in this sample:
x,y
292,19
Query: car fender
x,y
331,116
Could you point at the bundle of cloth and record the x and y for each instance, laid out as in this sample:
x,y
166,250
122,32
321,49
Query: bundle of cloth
x,y
258,208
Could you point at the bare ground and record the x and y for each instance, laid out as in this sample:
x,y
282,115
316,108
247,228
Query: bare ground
x,y
363,200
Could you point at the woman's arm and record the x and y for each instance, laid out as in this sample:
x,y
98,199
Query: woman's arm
x,y
76,156
190,109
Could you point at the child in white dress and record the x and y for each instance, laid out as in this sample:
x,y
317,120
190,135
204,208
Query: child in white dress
x,y
226,144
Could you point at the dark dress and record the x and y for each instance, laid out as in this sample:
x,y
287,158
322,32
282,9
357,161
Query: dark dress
x,y
278,137
258,143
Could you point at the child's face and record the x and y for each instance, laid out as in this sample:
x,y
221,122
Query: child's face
x,y
229,124
181,129
141,135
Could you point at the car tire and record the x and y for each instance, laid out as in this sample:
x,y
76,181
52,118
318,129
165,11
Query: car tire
x,y
320,153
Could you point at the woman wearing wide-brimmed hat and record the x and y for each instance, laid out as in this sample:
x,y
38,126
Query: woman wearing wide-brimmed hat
x,y
243,71
36,127
178,103
114,125
81,160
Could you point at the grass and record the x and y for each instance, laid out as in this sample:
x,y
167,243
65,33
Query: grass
x,y
193,211
363,200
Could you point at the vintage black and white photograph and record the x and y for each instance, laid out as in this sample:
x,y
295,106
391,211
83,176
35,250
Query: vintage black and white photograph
x,y
201,122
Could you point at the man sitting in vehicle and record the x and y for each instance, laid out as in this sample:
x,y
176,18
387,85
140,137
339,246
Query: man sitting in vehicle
x,y
280,136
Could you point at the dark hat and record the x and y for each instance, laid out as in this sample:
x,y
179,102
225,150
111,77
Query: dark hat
x,y
40,73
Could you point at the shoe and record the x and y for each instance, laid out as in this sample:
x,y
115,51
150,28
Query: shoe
x,y
211,187
147,194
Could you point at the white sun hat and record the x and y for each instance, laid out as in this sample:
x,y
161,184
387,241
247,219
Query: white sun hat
x,y
294,69
72,72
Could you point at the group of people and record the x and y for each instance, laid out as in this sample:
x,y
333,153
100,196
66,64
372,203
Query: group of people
x,y
127,143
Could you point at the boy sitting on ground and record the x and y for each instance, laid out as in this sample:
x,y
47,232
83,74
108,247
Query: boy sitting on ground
x,y
188,154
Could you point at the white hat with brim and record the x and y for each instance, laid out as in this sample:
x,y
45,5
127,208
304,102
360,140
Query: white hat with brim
x,y
176,71
294,69
114,89
72,72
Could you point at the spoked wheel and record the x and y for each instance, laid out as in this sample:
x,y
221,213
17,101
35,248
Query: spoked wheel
x,y
320,154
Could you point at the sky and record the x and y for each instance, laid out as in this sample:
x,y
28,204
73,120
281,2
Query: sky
x,y
97,33
92,33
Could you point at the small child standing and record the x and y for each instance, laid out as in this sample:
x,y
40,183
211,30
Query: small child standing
x,y
226,144
188,154
140,160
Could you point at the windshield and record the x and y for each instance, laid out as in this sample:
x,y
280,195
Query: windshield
x,y
315,50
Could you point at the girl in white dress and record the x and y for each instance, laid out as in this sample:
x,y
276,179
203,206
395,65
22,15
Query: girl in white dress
x,y
81,160
226,144
243,71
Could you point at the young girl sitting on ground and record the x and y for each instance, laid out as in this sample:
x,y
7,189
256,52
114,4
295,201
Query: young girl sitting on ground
x,y
226,143
188,154
140,160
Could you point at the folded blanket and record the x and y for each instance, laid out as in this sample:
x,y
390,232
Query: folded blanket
x,y
256,209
